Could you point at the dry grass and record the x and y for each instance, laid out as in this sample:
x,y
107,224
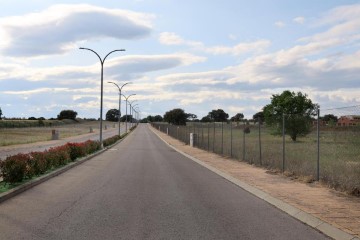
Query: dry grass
x,y
11,136
339,151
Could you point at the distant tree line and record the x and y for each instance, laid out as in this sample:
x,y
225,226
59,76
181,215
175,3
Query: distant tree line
x,y
296,109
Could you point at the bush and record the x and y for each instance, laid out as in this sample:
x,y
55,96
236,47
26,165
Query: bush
x,y
57,156
40,164
13,168
17,167
92,146
111,140
76,150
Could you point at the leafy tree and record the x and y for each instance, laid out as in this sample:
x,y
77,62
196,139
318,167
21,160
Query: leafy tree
x,y
158,118
0,113
113,115
67,114
297,109
237,118
218,115
32,118
191,116
258,115
206,119
329,117
123,118
176,116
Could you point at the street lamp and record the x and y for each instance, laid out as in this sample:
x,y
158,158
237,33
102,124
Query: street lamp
x,y
102,61
120,88
126,99
132,111
137,111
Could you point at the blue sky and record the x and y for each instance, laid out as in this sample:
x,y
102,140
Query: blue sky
x,y
195,55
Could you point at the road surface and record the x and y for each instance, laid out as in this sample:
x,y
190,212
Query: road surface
x,y
142,189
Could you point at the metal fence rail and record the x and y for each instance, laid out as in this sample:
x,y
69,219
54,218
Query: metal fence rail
x,y
327,153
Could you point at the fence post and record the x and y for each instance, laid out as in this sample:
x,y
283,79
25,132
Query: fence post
x,y
260,156
318,145
208,128
244,143
231,139
283,135
214,138
222,138
202,135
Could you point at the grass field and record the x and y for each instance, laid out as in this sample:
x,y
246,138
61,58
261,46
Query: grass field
x,y
339,150
22,135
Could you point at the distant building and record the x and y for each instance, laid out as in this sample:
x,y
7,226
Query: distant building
x,y
349,120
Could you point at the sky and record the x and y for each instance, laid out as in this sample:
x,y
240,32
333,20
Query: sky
x,y
195,55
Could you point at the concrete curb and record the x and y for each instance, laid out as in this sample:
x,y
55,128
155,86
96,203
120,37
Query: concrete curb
x,y
300,215
22,188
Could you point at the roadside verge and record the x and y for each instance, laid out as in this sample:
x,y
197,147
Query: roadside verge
x,y
36,181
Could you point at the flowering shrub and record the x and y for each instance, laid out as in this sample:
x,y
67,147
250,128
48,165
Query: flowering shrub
x,y
111,140
39,162
92,146
17,167
57,156
76,150
13,168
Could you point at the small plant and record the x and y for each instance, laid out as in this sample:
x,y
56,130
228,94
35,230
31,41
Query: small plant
x,y
16,168
13,168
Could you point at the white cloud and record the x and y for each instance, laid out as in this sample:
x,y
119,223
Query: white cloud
x,y
241,48
170,38
299,20
130,64
279,24
60,27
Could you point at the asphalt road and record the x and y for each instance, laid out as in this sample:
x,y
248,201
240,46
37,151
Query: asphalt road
x,y
142,189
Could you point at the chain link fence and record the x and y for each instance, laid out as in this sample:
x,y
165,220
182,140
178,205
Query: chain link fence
x,y
329,151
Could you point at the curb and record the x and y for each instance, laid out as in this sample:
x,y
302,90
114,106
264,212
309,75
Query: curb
x,y
296,213
32,183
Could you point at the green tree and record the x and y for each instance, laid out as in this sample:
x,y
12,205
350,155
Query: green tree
x,y
258,115
218,115
297,109
329,117
206,119
113,115
237,118
176,116
0,113
128,117
158,118
191,116
67,114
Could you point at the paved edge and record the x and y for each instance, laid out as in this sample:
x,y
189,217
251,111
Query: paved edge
x,y
22,188
300,215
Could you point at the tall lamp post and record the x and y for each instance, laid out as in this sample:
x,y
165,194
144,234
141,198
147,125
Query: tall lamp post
x,y
120,88
126,99
102,61
137,111
131,111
